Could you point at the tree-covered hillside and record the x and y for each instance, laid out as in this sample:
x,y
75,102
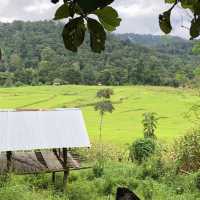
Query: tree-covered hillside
x,y
33,53
165,44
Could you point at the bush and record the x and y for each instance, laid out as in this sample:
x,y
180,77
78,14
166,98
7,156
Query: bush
x,y
153,168
142,149
187,151
81,190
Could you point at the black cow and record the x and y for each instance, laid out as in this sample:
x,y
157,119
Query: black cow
x,y
126,194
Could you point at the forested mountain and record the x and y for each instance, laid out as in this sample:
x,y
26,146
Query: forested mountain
x,y
33,53
166,44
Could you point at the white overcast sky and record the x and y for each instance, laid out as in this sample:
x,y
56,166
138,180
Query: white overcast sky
x,y
139,16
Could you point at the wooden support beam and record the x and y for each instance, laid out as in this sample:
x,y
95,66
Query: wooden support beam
x,y
53,177
50,172
66,169
9,161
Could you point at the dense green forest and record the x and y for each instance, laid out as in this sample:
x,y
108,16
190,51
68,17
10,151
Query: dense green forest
x,y
34,54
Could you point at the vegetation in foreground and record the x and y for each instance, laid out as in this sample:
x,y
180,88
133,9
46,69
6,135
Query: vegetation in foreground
x,y
159,176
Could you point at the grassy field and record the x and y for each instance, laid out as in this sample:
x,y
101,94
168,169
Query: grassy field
x,y
131,102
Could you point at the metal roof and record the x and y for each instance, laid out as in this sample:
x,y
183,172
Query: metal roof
x,y
29,130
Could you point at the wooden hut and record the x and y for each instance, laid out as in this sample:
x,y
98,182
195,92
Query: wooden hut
x,y
35,141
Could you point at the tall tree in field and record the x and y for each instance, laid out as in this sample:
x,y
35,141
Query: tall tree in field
x,y
103,106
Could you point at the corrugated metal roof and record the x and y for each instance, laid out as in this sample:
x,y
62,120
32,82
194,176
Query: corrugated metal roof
x,y
28,130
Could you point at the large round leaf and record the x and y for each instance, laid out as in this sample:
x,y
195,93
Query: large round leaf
x,y
104,3
164,22
62,12
195,28
74,34
91,5
88,5
97,35
108,17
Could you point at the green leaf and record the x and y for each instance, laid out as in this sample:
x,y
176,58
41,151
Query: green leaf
x,y
91,5
196,8
88,5
164,22
72,10
74,34
187,4
104,3
0,54
97,35
108,17
62,12
195,28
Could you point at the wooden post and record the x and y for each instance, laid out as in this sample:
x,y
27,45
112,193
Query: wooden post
x,y
53,177
66,169
54,173
9,160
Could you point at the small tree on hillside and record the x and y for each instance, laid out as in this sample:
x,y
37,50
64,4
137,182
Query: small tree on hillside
x,y
143,148
150,124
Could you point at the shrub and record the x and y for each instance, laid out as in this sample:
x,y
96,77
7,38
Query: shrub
x,y
187,151
153,168
81,190
142,149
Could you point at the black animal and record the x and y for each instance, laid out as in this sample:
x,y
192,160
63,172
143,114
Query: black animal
x,y
126,194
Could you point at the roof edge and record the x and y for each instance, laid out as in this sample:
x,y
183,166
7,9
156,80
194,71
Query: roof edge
x,y
36,110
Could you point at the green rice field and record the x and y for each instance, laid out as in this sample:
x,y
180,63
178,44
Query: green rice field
x,y
124,124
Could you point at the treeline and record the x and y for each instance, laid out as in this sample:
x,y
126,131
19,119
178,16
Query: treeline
x,y
34,54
